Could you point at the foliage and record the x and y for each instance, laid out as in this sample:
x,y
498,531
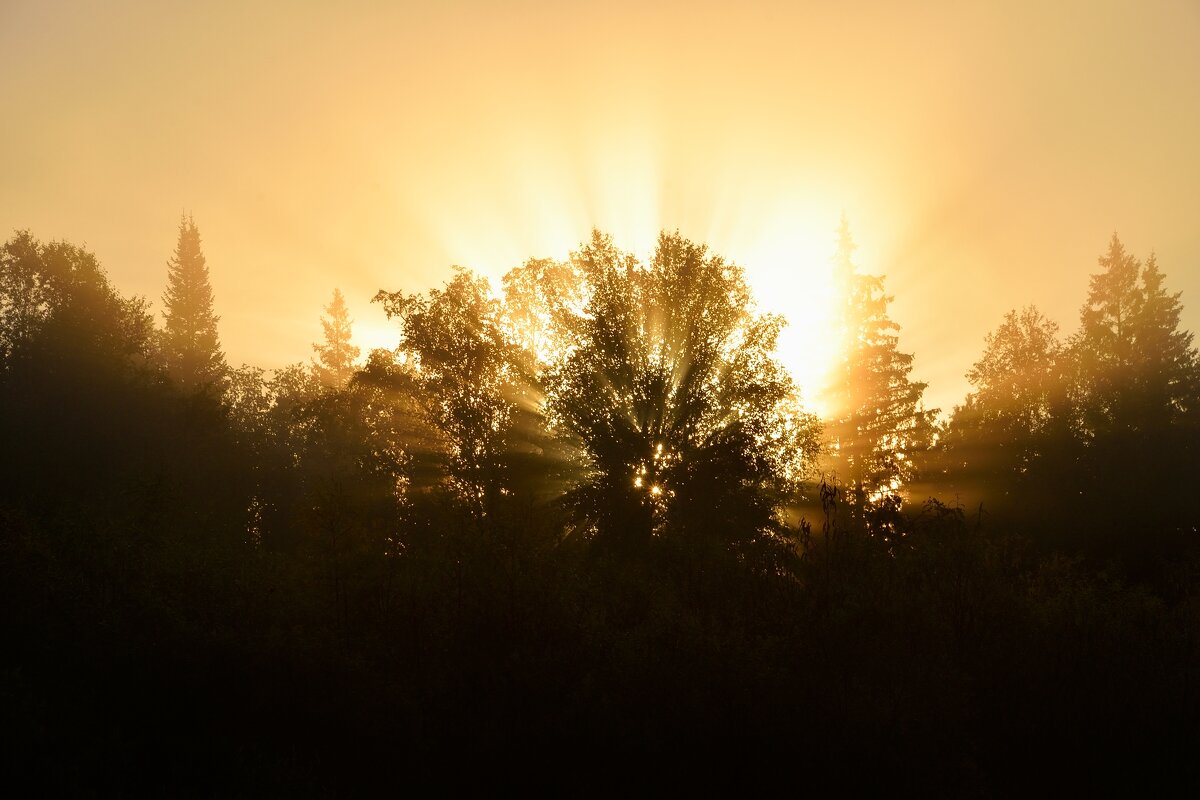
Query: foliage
x,y
540,297
471,379
191,349
56,303
1083,429
1105,343
878,424
334,363
1015,426
74,376
1166,369
296,588
1137,395
686,422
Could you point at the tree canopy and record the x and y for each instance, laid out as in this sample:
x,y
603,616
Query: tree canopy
x,y
574,516
686,421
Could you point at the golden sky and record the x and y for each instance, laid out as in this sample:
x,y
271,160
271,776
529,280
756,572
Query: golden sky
x,y
984,152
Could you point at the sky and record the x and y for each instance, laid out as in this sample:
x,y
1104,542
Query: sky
x,y
983,153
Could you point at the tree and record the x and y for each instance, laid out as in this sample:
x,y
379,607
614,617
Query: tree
x,y
686,424
335,359
1016,417
1104,347
191,349
1167,370
79,409
1135,387
1015,378
538,296
878,422
470,379
1137,370
349,479
56,302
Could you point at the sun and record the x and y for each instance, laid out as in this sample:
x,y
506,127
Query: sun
x,y
371,334
544,202
788,268
787,264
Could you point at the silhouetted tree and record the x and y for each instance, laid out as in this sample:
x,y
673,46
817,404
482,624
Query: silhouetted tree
x,y
191,349
538,296
197,595
877,420
1016,417
1137,370
1104,346
27,294
351,477
1137,391
686,422
469,378
85,414
1167,370
56,302
335,358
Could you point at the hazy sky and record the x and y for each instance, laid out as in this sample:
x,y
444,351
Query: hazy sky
x,y
984,152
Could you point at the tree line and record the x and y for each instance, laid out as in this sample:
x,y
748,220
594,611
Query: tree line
x,y
590,514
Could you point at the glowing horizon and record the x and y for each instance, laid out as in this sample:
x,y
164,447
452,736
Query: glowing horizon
x,y
973,149
788,272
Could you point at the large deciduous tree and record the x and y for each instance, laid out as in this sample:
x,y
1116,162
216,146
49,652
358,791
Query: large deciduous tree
x,y
687,426
191,348
56,303
469,376
1016,421
538,296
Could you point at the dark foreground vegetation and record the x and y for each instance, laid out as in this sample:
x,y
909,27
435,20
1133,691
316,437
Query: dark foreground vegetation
x,y
586,531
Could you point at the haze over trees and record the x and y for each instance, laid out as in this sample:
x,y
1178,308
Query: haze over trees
x,y
1098,429
587,519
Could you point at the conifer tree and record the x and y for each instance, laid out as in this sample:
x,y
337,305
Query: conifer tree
x,y
191,349
1167,372
1136,387
1104,346
1138,369
334,363
877,420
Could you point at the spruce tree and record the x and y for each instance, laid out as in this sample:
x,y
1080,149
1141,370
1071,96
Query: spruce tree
x,y
1104,346
334,363
191,349
1136,382
1167,370
1138,370
877,420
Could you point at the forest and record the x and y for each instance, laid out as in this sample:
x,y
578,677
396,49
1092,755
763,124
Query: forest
x,y
581,527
